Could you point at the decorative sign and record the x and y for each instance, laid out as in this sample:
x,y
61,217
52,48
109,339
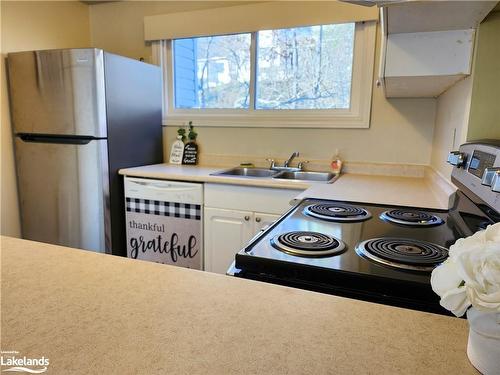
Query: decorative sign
x,y
176,152
190,153
164,232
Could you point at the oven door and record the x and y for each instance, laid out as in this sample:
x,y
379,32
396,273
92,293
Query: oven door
x,y
370,289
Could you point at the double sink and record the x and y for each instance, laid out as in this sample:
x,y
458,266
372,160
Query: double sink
x,y
324,177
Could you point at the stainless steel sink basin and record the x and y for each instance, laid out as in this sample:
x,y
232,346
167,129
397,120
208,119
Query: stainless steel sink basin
x,y
247,172
326,177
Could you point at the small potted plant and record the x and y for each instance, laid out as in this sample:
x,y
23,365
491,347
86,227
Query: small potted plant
x,y
469,281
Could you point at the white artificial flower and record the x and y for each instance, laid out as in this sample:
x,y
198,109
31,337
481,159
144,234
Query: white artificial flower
x,y
445,278
471,274
471,243
456,300
492,233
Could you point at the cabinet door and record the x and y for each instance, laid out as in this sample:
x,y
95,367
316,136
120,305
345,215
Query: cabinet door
x,y
226,233
262,220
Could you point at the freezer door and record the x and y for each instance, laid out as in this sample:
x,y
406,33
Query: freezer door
x,y
58,92
63,192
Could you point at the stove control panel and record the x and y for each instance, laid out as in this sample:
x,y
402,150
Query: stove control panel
x,y
479,162
489,175
477,171
495,183
457,158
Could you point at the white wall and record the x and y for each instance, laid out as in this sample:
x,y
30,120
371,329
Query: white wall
x,y
118,27
469,110
401,129
485,112
27,26
452,119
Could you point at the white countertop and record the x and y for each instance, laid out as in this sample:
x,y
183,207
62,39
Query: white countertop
x,y
92,313
391,190
400,191
204,174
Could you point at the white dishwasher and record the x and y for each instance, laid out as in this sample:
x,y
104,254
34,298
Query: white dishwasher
x,y
164,221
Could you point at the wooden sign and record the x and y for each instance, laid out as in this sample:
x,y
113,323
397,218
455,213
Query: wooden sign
x,y
190,153
176,152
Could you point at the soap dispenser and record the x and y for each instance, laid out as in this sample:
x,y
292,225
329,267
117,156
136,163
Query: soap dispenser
x,y
336,163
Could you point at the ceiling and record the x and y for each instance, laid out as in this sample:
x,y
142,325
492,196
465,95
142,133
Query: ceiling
x,y
93,2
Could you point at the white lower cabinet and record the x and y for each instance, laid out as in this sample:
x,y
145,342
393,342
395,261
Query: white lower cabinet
x,y
227,232
262,220
233,215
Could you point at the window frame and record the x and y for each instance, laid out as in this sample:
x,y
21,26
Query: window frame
x,y
357,116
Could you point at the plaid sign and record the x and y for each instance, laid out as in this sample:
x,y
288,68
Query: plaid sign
x,y
153,207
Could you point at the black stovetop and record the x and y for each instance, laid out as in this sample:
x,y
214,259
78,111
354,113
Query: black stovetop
x,y
356,259
347,273
351,234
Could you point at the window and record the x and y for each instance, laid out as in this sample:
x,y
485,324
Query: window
x,y
305,68
313,76
212,72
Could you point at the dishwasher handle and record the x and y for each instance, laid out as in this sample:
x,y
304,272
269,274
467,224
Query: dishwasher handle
x,y
161,185
164,190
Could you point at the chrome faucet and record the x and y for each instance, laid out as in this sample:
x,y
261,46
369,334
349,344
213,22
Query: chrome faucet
x,y
286,164
294,155
273,163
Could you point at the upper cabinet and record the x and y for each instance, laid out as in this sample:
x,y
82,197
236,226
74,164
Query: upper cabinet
x,y
424,64
427,46
405,16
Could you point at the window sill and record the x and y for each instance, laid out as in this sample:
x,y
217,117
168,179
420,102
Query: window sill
x,y
309,121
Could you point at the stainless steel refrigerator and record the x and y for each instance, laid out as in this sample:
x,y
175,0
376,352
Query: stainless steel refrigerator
x,y
79,115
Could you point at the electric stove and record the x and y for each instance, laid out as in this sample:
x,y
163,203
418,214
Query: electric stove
x,y
374,252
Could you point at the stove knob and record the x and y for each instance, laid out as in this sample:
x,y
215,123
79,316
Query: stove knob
x,y
457,158
488,175
495,184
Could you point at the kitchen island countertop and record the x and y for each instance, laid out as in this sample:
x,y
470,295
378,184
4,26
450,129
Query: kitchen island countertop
x,y
99,314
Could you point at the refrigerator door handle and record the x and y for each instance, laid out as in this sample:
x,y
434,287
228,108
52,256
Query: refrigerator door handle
x,y
42,138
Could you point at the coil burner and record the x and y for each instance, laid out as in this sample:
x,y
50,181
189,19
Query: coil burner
x,y
403,253
411,218
339,212
308,244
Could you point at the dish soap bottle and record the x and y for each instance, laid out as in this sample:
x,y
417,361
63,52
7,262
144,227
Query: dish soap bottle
x,y
336,163
191,148
177,150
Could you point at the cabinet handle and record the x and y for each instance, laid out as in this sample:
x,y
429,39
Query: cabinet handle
x,y
247,218
257,219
